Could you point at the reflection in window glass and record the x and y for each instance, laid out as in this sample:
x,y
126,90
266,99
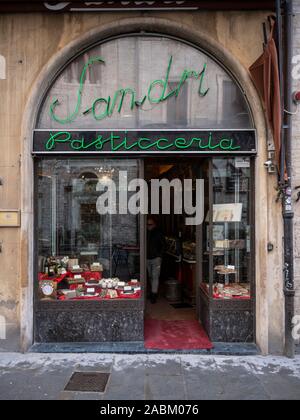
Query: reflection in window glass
x,y
82,254
134,63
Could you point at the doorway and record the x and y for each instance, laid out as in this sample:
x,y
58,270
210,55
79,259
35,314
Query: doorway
x,y
172,315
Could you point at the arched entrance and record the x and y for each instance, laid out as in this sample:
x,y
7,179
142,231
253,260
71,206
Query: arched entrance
x,y
98,111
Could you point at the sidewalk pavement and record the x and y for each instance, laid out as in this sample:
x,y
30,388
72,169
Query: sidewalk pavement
x,y
151,377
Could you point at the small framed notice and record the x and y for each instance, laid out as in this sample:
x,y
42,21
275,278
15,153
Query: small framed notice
x,y
10,218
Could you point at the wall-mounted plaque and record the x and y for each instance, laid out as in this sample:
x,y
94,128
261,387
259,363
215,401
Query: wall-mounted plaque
x,y
10,218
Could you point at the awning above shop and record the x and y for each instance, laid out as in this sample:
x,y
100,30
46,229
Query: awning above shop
x,y
81,6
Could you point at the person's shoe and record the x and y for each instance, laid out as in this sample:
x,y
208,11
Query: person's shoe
x,y
153,298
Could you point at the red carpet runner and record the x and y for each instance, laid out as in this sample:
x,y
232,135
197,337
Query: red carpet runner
x,y
175,335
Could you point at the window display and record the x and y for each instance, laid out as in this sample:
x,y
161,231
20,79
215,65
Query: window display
x,y
84,255
230,231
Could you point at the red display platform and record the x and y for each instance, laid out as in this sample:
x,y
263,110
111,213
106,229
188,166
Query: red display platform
x,y
88,275
216,296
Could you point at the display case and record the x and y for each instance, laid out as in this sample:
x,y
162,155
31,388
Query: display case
x,y
72,281
89,284
227,289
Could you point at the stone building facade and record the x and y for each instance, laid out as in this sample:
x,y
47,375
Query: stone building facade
x,y
35,46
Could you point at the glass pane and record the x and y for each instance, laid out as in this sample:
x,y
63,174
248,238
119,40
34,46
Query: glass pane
x,y
134,64
205,231
231,229
84,254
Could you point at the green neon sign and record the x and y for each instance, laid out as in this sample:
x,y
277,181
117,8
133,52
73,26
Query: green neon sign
x,y
66,141
102,108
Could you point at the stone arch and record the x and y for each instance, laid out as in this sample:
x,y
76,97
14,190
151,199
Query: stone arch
x,y
122,27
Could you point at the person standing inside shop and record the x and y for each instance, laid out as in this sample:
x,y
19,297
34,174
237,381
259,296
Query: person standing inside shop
x,y
156,244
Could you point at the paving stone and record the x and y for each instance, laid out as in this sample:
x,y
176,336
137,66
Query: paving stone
x,y
101,367
126,384
203,385
281,386
195,364
163,387
167,367
238,384
80,396
32,385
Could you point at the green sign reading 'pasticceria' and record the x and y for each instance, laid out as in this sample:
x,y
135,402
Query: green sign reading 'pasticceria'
x,y
172,141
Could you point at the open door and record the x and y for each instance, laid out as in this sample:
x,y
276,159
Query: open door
x,y
173,321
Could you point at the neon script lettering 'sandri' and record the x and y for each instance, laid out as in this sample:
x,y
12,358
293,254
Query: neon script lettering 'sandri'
x,y
117,143
105,107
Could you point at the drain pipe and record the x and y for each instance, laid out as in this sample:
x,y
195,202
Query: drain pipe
x,y
279,28
288,215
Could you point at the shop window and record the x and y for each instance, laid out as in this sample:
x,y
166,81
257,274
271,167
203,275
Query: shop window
x,y
132,64
228,232
84,255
